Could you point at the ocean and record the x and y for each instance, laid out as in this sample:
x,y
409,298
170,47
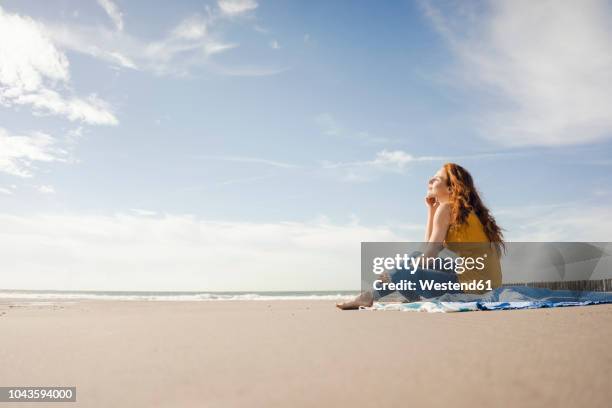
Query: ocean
x,y
173,296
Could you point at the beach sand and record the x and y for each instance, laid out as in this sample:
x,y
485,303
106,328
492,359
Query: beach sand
x,y
305,354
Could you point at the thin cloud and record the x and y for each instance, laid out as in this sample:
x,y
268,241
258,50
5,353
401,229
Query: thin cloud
x,y
385,161
394,160
189,45
142,212
330,126
246,71
46,189
399,161
19,152
236,7
260,29
192,28
256,160
91,110
548,64
113,12
186,45
244,180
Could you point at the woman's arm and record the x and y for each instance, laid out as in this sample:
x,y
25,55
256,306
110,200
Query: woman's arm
x,y
432,205
439,226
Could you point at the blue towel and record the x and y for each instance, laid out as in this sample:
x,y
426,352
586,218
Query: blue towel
x,y
509,297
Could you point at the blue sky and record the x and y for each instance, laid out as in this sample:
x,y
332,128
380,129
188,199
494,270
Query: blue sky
x,y
148,145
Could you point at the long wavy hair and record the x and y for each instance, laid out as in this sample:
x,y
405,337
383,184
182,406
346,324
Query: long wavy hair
x,y
464,198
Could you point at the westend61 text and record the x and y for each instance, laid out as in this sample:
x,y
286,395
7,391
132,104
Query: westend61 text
x,y
459,264
429,284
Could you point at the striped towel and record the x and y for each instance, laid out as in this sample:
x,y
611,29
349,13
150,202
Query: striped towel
x,y
505,298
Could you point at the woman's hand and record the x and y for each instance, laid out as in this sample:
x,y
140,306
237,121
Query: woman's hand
x,y
431,202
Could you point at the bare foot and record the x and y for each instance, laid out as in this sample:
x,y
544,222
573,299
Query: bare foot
x,y
365,299
384,277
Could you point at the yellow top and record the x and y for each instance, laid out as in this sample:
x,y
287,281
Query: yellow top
x,y
470,241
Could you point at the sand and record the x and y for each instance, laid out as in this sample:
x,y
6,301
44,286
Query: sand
x,y
305,354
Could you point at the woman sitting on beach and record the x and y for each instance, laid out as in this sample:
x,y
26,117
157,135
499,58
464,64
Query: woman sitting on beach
x,y
456,219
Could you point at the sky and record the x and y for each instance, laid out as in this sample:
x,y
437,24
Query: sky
x,y
252,145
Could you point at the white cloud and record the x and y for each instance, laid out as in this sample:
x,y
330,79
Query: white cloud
x,y
548,63
393,160
4,190
113,12
385,161
215,48
192,28
181,252
236,7
91,110
46,189
121,59
33,72
575,221
396,159
274,45
17,153
28,57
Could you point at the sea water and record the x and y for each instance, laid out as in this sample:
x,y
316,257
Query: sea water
x,y
174,296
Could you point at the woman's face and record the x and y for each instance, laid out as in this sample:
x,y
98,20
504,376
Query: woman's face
x,y
438,186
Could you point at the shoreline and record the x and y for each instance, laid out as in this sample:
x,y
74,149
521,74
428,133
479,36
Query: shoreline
x,y
50,295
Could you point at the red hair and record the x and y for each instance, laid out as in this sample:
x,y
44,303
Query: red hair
x,y
464,198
